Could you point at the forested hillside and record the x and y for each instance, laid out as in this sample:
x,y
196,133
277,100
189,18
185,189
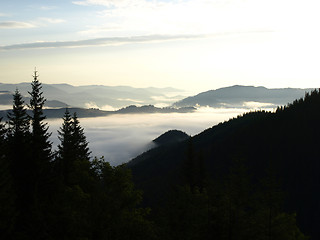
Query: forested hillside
x,y
63,194
253,177
260,163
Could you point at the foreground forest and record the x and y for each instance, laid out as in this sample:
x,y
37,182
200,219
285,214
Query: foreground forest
x,y
254,174
248,178
62,194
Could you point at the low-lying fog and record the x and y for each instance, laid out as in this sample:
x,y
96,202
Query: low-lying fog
x,y
119,138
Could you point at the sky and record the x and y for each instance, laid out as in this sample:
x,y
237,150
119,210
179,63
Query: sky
x,y
194,45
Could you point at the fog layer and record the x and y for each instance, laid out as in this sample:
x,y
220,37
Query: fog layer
x,y
119,138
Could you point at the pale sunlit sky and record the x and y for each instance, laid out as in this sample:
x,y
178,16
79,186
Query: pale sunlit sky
x,y
195,45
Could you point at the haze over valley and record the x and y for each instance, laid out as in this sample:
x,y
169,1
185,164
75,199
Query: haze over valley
x,y
125,131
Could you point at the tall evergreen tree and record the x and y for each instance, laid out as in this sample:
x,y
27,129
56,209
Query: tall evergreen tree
x,y
40,135
66,150
19,156
74,169
80,140
73,151
40,162
18,119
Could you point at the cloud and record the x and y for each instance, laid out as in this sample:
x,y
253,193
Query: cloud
x,y
52,20
3,15
15,24
107,3
46,8
32,24
91,105
100,42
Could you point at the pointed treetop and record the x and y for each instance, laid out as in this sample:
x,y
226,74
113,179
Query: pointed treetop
x,y
35,76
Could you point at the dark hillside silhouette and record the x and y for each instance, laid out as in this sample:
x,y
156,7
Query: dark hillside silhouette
x,y
286,142
170,137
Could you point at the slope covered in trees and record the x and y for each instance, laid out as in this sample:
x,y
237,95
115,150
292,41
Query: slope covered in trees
x,y
260,155
63,194
243,179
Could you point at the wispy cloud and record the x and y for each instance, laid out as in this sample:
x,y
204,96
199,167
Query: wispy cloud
x,y
100,42
16,24
107,3
52,20
32,24
177,16
4,14
46,8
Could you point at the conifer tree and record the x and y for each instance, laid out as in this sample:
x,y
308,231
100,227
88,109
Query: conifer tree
x,y
77,181
18,118
66,149
18,137
40,135
73,150
80,140
19,144
40,164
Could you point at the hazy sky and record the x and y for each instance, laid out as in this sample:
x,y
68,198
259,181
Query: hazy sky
x,y
191,44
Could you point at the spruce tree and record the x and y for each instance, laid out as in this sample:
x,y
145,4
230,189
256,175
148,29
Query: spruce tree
x,y
42,181
18,137
18,118
66,149
73,152
40,136
76,176
80,140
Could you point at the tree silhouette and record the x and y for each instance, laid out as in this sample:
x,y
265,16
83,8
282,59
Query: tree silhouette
x,y
40,165
40,135
66,150
19,155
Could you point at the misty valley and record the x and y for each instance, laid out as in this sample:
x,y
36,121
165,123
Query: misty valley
x,y
119,138
239,162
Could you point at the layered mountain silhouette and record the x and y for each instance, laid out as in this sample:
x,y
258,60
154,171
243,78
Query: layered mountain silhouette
x,y
6,100
285,142
243,97
94,112
98,96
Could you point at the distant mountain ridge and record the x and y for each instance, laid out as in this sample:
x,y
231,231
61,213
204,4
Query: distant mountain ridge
x,y
94,112
99,96
6,99
239,96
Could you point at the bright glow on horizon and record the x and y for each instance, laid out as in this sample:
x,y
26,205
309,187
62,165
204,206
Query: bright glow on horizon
x,y
195,45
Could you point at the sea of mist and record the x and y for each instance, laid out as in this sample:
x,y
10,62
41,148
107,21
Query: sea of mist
x,y
119,138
